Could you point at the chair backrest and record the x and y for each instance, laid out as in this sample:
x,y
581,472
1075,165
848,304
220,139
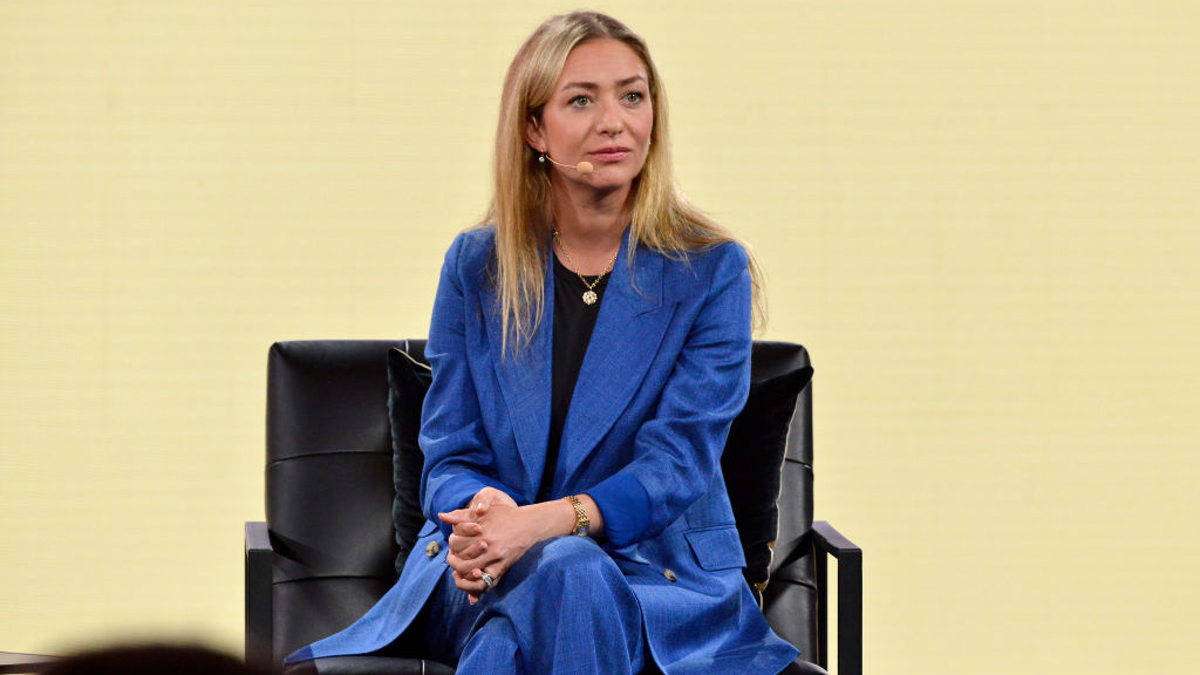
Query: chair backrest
x,y
790,599
329,490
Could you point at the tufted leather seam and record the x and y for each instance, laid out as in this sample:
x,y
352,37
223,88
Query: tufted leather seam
x,y
329,576
796,461
336,451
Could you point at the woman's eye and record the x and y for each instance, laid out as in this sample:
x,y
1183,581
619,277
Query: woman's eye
x,y
634,97
580,101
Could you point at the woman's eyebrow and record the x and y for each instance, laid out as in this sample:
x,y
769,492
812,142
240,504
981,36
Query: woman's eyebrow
x,y
592,86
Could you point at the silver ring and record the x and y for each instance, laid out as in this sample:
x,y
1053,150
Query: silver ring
x,y
488,580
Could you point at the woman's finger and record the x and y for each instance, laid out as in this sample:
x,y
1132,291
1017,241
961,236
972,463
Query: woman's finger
x,y
456,516
461,567
466,566
489,577
490,496
468,529
487,559
457,542
474,587
469,549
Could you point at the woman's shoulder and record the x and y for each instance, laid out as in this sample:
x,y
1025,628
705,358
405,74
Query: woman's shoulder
x,y
475,241
707,266
472,249
726,254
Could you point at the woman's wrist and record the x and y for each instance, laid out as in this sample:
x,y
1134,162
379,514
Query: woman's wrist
x,y
554,518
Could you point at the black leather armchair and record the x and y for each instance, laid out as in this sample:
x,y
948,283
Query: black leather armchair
x,y
326,552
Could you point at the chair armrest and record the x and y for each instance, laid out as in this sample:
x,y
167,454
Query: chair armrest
x,y
850,625
259,617
15,662
832,541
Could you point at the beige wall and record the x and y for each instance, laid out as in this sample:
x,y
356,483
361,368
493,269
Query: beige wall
x,y
981,217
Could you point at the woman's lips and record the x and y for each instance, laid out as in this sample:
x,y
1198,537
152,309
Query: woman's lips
x,y
610,154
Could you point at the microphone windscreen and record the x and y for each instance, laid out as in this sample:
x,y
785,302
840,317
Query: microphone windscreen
x,y
584,168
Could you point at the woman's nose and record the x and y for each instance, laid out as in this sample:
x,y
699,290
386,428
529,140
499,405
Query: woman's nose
x,y
610,122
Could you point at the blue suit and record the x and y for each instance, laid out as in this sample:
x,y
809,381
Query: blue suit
x,y
666,371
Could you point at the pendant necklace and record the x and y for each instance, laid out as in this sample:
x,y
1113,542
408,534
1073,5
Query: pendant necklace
x,y
589,296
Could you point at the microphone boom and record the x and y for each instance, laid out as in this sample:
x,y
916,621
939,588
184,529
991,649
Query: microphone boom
x,y
583,168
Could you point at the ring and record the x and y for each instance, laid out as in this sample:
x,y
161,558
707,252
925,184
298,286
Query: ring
x,y
488,580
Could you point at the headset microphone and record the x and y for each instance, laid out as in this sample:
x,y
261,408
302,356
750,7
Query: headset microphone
x,y
583,168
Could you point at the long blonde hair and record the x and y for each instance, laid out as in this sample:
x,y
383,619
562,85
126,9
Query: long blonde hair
x,y
663,219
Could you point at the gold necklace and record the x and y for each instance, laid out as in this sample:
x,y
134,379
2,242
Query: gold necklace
x,y
589,296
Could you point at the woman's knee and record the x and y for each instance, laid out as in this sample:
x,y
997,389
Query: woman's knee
x,y
568,561
571,555
570,549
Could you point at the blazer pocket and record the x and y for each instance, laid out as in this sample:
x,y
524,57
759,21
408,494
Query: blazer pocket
x,y
716,548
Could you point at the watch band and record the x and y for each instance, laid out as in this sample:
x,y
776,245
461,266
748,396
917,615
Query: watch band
x,y
581,518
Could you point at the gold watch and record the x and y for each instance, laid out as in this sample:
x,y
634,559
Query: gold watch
x,y
581,519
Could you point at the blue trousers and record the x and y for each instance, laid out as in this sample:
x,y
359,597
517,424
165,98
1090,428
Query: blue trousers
x,y
563,608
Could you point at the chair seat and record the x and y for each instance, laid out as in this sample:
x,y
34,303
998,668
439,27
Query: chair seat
x,y
802,667
388,665
368,665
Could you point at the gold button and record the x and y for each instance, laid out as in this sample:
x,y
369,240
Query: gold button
x,y
432,549
670,575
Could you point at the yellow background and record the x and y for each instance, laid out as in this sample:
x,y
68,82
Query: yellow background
x,y
981,217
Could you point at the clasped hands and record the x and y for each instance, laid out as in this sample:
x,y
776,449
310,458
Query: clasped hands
x,y
490,534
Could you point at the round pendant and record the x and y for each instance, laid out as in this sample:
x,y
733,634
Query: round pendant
x,y
589,298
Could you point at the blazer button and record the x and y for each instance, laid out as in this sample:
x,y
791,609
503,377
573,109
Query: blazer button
x,y
670,576
432,549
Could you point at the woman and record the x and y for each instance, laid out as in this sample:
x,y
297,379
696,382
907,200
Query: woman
x,y
590,346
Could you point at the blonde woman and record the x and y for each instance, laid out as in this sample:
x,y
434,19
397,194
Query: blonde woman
x,y
590,347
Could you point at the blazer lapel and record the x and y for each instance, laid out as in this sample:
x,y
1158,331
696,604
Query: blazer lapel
x,y
525,381
624,342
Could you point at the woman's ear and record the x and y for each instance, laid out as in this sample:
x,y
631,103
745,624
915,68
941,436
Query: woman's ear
x,y
533,134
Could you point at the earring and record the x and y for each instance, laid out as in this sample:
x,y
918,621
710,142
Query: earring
x,y
542,158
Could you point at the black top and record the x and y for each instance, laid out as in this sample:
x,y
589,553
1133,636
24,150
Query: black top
x,y
573,323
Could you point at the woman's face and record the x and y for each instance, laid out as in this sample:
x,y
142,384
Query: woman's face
x,y
600,112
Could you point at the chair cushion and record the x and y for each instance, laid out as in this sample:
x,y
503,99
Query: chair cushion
x,y
367,665
408,381
802,667
751,463
385,665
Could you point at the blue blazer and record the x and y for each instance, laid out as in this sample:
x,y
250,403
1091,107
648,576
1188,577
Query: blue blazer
x,y
666,371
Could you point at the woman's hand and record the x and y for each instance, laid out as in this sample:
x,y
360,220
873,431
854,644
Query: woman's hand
x,y
505,533
465,542
493,533
464,538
